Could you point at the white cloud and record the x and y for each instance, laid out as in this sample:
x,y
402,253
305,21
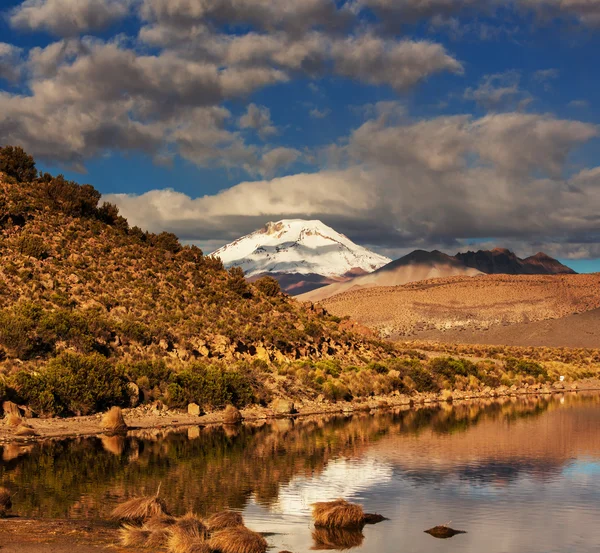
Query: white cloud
x,y
399,64
259,119
429,183
68,17
10,61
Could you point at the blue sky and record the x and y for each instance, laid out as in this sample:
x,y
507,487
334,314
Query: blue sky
x,y
405,124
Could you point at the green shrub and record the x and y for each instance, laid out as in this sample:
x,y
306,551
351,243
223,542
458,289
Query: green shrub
x,y
32,246
268,286
450,368
334,390
524,366
423,379
16,163
211,387
18,331
155,373
73,384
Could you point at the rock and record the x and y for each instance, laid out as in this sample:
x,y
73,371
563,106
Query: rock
x,y
134,394
194,409
283,407
11,408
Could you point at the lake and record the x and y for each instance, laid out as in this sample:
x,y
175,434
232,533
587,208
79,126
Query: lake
x,y
517,475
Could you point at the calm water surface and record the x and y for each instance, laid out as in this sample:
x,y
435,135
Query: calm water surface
x,y
517,475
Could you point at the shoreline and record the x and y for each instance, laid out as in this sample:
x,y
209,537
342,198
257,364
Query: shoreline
x,y
146,418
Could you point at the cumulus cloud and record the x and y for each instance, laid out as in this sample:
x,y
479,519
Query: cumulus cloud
x,y
276,159
292,15
10,62
68,17
400,64
428,183
585,11
259,119
101,96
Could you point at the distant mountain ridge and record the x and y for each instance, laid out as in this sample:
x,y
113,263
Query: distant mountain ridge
x,y
423,265
301,255
416,266
503,261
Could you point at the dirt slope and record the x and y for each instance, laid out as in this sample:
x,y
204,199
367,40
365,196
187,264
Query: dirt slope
x,y
573,331
476,303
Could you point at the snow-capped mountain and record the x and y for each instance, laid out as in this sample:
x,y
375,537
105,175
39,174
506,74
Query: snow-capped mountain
x,y
296,246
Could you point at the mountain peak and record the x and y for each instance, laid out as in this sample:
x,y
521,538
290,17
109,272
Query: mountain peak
x,y
298,246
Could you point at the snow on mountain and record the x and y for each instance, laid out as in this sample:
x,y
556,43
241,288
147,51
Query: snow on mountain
x,y
298,246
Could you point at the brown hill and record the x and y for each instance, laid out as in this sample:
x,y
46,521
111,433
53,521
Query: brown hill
x,y
477,303
416,266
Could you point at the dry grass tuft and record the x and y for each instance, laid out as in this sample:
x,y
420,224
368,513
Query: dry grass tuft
x,y
224,519
159,522
5,501
13,420
139,509
25,430
113,421
238,540
336,538
158,538
338,514
187,531
232,415
133,536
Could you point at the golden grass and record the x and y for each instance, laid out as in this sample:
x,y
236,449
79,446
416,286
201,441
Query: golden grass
x,y
187,531
231,415
336,538
158,538
5,501
237,540
338,514
224,519
159,522
13,420
139,509
113,421
25,430
133,536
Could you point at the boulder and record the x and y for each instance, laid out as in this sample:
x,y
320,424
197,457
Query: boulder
x,y
194,409
11,408
283,407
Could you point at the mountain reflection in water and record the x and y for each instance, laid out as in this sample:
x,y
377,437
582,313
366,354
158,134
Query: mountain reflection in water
x,y
516,474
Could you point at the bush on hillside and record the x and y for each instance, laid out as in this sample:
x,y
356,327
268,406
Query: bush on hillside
x,y
268,286
33,246
16,163
210,387
73,384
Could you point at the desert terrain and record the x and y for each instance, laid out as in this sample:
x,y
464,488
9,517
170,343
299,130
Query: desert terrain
x,y
524,310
